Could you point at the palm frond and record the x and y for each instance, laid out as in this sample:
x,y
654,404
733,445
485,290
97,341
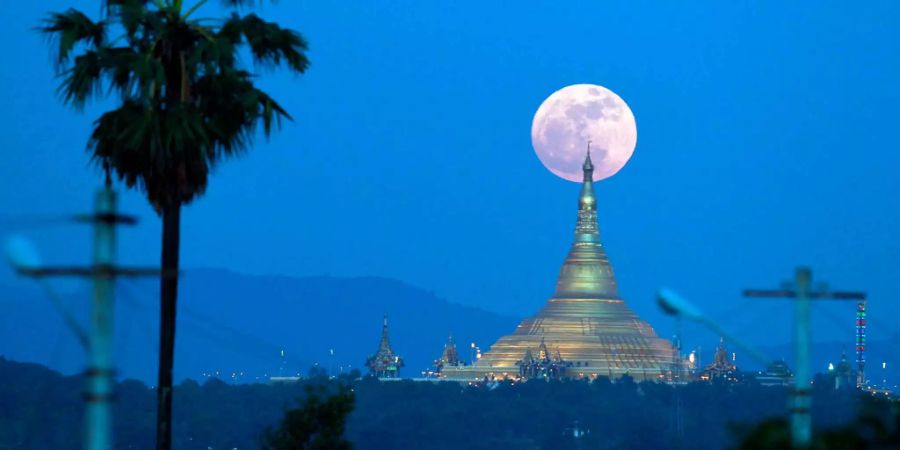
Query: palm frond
x,y
125,70
162,144
270,111
70,28
269,43
82,80
154,151
191,10
130,13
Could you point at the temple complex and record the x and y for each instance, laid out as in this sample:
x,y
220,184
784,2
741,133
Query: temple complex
x,y
843,374
384,363
721,369
585,329
543,365
776,374
449,357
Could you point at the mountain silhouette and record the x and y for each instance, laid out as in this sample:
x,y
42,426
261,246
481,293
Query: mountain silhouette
x,y
238,324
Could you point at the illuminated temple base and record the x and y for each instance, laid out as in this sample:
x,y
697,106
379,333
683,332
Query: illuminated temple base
x,y
598,337
586,327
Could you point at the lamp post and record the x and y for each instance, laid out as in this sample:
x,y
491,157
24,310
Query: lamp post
x,y
675,305
802,293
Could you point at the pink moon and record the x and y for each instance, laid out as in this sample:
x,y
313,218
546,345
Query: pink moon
x,y
576,114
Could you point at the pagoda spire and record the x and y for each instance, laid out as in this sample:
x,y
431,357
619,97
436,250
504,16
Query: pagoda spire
x,y
586,272
588,165
385,343
384,363
586,229
449,357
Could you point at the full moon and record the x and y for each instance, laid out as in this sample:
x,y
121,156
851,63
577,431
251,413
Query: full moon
x,y
574,115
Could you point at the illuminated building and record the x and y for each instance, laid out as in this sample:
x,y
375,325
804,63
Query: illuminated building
x,y
586,325
449,357
384,363
544,365
776,374
842,373
721,368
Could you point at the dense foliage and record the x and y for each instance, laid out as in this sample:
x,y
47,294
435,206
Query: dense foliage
x,y
318,424
185,99
42,409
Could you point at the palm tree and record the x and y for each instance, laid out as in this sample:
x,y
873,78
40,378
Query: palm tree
x,y
186,103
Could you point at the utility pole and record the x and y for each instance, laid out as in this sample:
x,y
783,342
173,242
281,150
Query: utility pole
x,y
103,272
802,293
100,368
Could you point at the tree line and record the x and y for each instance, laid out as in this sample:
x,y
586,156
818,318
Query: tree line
x,y
43,409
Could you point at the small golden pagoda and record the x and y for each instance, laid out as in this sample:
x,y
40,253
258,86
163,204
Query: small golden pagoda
x,y
586,329
721,368
384,363
449,357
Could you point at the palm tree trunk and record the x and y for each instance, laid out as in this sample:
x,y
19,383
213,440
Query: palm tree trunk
x,y
168,293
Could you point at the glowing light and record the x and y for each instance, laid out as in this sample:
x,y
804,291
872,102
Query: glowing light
x,y
22,253
574,115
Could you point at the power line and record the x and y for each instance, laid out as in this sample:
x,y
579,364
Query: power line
x,y
35,222
801,292
201,325
103,272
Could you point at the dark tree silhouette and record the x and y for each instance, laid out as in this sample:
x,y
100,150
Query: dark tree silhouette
x,y
317,425
186,103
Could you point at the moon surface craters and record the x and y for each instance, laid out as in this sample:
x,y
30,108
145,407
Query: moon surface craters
x,y
574,115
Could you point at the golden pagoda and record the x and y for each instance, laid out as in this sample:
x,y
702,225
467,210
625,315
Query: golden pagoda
x,y
721,368
449,357
384,363
586,329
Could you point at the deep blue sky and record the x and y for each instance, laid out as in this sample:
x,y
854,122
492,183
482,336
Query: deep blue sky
x,y
767,137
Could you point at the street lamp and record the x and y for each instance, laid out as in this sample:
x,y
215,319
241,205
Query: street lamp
x,y
25,258
675,305
22,254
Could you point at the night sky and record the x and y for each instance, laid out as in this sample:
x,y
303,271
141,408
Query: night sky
x,y
767,138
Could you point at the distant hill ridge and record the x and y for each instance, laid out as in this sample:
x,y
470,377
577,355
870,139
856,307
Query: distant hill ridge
x,y
234,322
230,322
